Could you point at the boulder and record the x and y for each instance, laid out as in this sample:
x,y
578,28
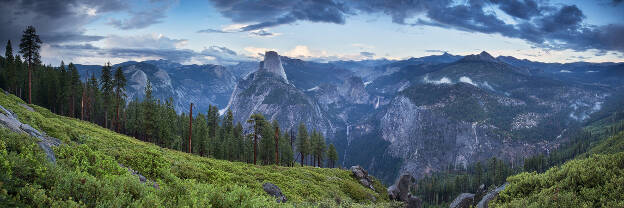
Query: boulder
x,y
464,200
275,191
27,107
404,186
481,191
359,172
393,192
8,120
362,176
490,196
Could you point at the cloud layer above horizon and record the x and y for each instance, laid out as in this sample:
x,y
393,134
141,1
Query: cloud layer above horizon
x,y
91,31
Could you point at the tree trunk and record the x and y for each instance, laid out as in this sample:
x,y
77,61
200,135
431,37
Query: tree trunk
x,y
276,145
29,82
302,159
190,127
255,143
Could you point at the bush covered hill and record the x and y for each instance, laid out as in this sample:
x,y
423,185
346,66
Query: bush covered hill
x,y
89,171
592,179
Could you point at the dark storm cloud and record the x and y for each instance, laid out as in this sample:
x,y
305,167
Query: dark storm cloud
x,y
520,9
56,21
367,54
271,13
262,33
538,22
153,13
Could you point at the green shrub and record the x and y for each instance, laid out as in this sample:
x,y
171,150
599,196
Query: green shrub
x,y
592,182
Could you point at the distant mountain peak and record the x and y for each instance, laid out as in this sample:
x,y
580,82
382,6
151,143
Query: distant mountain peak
x,y
273,64
483,56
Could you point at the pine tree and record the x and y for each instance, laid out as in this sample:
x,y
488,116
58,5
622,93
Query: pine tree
x,y
75,88
10,71
286,158
332,155
148,113
320,147
256,120
29,48
106,87
119,85
303,142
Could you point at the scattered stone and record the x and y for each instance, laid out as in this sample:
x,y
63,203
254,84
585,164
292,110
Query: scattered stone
x,y
27,107
464,200
275,191
490,196
362,176
142,178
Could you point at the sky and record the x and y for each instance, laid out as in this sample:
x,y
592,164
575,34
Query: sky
x,y
229,31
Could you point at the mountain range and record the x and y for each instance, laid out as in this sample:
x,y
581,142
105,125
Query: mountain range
x,y
418,115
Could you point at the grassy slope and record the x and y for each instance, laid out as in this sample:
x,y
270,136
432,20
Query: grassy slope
x,y
593,179
91,154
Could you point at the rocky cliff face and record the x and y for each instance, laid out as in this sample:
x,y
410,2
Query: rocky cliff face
x,y
267,91
202,85
273,64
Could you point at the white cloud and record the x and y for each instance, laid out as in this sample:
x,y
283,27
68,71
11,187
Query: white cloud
x,y
233,27
565,71
465,79
443,80
152,41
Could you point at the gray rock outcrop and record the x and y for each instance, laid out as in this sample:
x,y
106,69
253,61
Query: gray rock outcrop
x,y
400,191
274,191
362,176
273,64
491,196
9,120
464,200
142,178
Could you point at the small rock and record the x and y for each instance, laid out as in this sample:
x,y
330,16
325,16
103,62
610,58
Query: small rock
x,y
464,200
359,172
142,178
362,176
275,191
27,107
393,192
32,131
490,196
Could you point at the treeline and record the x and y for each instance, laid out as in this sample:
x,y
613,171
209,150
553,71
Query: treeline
x,y
103,101
443,187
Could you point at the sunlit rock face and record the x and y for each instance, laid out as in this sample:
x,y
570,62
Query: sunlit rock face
x,y
273,64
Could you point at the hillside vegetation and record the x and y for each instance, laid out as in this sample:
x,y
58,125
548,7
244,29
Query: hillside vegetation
x,y
593,179
88,172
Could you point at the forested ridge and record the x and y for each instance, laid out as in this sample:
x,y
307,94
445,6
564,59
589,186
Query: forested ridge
x,y
103,101
601,134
